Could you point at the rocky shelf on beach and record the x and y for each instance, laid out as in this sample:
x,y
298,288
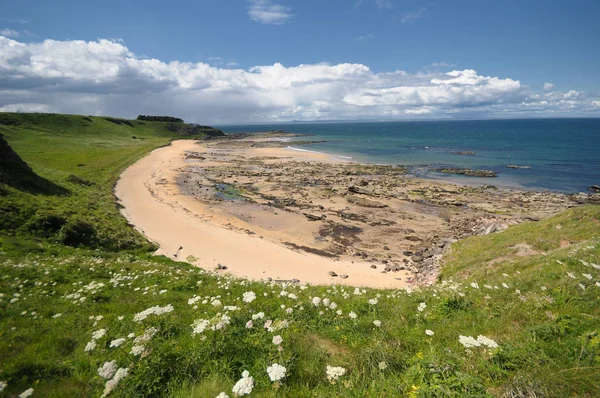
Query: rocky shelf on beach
x,y
469,172
373,215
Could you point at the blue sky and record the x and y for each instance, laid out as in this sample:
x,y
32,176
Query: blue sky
x,y
536,43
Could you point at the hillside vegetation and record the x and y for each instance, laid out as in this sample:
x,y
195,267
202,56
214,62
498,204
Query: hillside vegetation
x,y
515,313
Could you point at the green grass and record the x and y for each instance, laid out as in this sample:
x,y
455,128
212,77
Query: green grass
x,y
542,309
85,156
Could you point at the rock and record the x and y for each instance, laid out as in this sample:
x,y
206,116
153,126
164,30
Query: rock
x,y
384,261
344,276
333,274
386,248
594,188
412,238
469,172
407,253
417,258
221,266
373,266
312,217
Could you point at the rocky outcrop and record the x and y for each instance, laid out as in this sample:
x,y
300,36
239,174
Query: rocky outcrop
x,y
469,172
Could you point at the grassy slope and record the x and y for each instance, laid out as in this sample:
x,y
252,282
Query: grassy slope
x,y
85,155
541,309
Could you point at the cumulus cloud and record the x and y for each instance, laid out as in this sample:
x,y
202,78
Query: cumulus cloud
x,y
548,86
106,77
9,33
267,12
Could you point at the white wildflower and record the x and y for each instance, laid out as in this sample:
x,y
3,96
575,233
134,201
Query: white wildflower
x,y
98,334
3,385
137,350
215,303
334,373
429,332
259,315
156,310
26,393
377,323
588,276
468,341
108,370
421,307
276,372
571,275
316,301
504,285
90,346
112,383
474,285
249,297
373,301
382,365
222,395
244,385
56,315
277,340
487,342
117,342
249,324
352,315
199,326
339,312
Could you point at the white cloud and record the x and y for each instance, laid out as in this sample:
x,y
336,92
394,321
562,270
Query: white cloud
x,y
9,33
267,12
411,16
105,77
548,86
384,3
368,36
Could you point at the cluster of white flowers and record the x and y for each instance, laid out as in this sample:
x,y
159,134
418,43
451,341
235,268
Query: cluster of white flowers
x,y
108,370
373,301
334,373
199,326
276,372
470,342
90,346
98,334
352,315
377,323
117,342
429,332
382,365
244,385
277,340
112,383
3,385
259,315
316,301
422,307
222,395
156,310
27,393
249,297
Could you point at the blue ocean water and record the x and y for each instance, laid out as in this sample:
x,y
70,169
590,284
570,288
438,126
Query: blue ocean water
x,y
564,154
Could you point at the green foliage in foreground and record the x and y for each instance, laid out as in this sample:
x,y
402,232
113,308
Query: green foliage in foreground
x,y
540,308
83,156
543,314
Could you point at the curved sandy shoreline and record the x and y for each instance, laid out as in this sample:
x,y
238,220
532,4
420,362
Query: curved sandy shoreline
x,y
153,203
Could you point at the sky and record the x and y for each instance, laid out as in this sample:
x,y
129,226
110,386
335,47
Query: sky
x,y
253,61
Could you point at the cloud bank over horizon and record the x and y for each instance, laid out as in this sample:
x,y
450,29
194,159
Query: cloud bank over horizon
x,y
104,77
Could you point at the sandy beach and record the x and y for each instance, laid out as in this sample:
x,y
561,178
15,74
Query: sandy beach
x,y
256,209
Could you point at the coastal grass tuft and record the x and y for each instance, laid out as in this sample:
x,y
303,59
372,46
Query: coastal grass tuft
x,y
71,267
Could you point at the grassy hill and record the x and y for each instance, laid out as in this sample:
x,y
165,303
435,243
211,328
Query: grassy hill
x,y
82,157
515,314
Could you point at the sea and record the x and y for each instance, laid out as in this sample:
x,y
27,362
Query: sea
x,y
562,155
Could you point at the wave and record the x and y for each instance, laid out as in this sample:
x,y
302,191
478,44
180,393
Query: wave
x,y
320,153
